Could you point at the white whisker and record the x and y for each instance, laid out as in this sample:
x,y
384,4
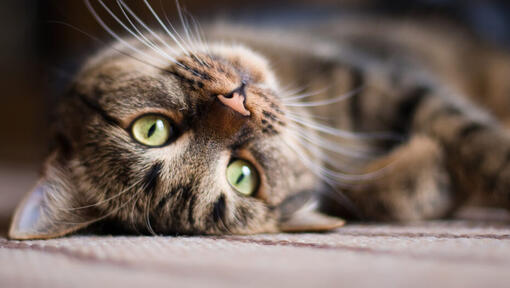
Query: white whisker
x,y
309,115
325,101
127,189
195,38
315,168
120,22
158,38
117,37
333,183
305,95
113,48
175,32
342,133
199,32
289,90
319,154
184,50
184,23
332,146
109,213
145,40
155,35
147,218
340,179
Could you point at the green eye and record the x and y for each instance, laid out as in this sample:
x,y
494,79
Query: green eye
x,y
242,176
151,130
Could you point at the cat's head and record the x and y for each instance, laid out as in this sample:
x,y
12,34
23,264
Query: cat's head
x,y
196,145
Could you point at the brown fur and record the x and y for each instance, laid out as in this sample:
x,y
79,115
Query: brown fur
x,y
414,82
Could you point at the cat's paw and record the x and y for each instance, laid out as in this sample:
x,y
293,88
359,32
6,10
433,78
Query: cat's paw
x,y
416,185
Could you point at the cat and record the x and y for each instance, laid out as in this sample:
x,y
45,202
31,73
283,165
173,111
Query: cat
x,y
260,130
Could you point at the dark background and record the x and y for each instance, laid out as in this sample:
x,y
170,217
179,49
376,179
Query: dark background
x,y
38,55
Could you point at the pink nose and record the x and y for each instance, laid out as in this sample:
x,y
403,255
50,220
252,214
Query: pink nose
x,y
235,102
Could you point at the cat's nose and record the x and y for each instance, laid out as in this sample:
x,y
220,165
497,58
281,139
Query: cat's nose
x,y
236,101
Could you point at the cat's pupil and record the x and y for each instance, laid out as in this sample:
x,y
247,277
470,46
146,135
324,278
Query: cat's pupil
x,y
240,178
245,171
151,130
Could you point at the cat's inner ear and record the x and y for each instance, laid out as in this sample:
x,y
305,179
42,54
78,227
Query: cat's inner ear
x,y
46,211
309,220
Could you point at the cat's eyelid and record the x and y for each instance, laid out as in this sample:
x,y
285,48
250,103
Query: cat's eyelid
x,y
174,116
97,108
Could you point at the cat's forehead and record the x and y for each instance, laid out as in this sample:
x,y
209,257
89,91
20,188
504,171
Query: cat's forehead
x,y
218,62
130,80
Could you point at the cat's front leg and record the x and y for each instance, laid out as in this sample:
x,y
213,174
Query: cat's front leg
x,y
414,185
472,150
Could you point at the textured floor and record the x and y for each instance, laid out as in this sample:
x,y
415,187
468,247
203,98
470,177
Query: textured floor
x,y
454,253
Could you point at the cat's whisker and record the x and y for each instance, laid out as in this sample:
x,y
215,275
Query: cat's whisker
x,y
290,98
291,90
341,179
111,212
288,91
104,201
146,27
343,133
147,218
186,50
358,145
332,146
174,38
195,37
175,32
118,38
300,150
309,115
146,43
184,24
148,223
157,50
353,168
123,9
317,153
340,98
123,25
365,175
314,167
134,224
200,35
113,48
333,183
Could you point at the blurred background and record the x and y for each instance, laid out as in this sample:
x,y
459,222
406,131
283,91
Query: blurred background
x,y
43,42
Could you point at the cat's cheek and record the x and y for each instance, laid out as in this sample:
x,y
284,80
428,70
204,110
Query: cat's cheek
x,y
173,151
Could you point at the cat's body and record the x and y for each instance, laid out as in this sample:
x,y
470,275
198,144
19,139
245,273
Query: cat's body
x,y
393,66
389,131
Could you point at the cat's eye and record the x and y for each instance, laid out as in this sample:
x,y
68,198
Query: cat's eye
x,y
151,130
243,177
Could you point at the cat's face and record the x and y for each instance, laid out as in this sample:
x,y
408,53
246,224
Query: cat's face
x,y
201,146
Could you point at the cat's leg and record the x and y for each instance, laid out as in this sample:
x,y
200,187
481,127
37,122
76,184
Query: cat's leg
x,y
414,185
477,148
467,150
456,152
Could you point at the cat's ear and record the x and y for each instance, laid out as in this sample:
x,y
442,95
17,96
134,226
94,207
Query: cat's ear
x,y
47,210
310,220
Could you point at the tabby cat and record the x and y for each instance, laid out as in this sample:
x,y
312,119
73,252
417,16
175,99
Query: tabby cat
x,y
264,130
